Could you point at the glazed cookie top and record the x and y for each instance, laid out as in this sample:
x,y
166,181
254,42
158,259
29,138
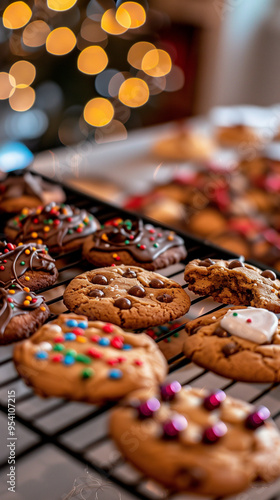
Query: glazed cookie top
x,y
90,360
193,435
54,225
25,185
143,241
17,301
17,260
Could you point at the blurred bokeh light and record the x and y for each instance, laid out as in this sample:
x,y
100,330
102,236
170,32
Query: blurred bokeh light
x,y
98,112
61,5
16,15
156,63
92,60
60,41
35,34
22,99
134,92
23,74
110,24
131,15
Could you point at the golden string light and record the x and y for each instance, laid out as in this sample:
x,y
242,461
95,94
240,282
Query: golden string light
x,y
131,15
16,15
23,73
98,112
110,24
22,99
120,90
156,63
134,92
92,60
35,34
61,5
60,41
137,52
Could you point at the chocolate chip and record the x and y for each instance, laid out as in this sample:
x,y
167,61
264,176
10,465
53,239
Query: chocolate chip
x,y
165,298
129,274
96,293
137,291
99,279
220,332
155,283
190,478
206,263
123,303
269,274
229,349
235,263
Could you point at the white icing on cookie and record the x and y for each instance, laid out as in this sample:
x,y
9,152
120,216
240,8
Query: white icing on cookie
x,y
254,324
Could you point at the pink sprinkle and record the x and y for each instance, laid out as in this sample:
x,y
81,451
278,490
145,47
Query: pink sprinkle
x,y
159,235
152,238
248,320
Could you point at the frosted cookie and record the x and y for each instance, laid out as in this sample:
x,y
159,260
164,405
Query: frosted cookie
x,y
132,242
127,296
88,361
61,227
21,313
28,190
238,343
234,282
27,265
192,440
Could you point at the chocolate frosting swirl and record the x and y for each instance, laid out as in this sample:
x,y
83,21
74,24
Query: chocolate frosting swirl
x,y
14,302
16,260
54,225
143,241
25,185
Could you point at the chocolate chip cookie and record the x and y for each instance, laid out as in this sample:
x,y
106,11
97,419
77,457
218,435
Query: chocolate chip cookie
x,y
61,227
21,313
191,440
88,361
238,343
27,265
127,296
234,282
132,242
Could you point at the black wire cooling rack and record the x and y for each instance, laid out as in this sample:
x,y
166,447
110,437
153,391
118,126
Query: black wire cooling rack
x,y
63,450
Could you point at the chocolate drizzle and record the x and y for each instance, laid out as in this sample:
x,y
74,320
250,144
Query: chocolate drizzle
x,y
14,262
14,302
143,241
25,185
54,225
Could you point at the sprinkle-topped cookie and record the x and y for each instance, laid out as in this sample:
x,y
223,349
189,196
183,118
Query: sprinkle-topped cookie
x,y
25,264
133,242
21,313
88,361
239,343
131,297
59,226
194,440
234,282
